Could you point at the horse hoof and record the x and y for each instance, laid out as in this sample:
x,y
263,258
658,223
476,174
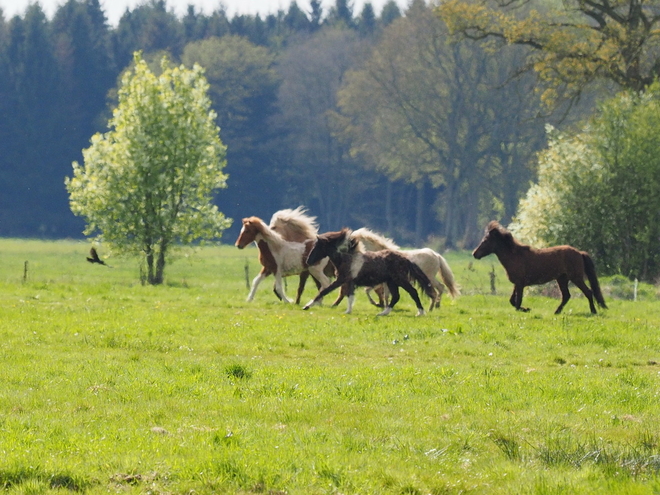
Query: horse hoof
x,y
385,312
420,312
306,307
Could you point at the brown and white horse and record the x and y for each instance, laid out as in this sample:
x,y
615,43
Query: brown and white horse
x,y
526,265
367,269
289,257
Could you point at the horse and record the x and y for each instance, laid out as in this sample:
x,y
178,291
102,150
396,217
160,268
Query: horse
x,y
358,268
288,257
526,265
431,263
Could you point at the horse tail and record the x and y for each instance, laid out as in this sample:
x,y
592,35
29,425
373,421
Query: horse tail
x,y
448,277
590,270
416,273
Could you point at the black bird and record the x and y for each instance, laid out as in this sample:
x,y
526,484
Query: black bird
x,y
94,258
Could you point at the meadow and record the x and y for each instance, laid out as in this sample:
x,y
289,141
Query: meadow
x,y
111,386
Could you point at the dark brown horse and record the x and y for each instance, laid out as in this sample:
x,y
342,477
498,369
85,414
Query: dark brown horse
x,y
367,269
526,265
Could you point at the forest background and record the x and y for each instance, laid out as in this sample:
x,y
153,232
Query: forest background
x,y
451,146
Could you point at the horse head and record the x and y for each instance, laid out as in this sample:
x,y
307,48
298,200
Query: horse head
x,y
495,238
331,243
251,227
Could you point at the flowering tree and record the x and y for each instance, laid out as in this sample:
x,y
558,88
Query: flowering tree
x,y
598,190
147,185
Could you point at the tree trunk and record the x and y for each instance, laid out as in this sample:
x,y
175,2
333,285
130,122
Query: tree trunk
x,y
420,217
155,273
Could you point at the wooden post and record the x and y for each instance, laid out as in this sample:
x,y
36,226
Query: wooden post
x,y
247,274
25,271
493,290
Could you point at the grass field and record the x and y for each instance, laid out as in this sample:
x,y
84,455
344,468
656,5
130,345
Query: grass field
x,y
111,386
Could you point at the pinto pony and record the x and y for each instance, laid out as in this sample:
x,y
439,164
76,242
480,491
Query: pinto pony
x,y
357,268
288,257
431,263
526,265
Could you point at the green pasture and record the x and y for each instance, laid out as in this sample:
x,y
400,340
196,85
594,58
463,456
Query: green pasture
x,y
110,386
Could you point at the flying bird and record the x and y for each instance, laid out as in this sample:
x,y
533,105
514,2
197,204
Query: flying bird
x,y
94,258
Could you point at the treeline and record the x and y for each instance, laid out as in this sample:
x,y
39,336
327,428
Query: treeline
x,y
367,118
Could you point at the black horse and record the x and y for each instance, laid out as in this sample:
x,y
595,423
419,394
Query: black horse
x,y
526,265
357,268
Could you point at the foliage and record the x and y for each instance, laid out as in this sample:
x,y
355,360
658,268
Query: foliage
x,y
185,386
427,110
596,189
319,172
575,44
147,184
243,87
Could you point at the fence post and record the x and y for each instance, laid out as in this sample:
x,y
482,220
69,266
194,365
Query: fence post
x,y
493,289
247,273
25,271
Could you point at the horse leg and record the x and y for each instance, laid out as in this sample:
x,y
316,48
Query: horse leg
x,y
337,283
301,285
350,290
279,289
439,288
317,271
407,286
394,291
340,297
368,292
587,292
562,282
383,294
518,293
255,283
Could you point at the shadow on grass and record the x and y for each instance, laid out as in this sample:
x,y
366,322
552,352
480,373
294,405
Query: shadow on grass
x,y
21,476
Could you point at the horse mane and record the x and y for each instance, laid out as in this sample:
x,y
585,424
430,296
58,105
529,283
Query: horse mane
x,y
507,237
373,241
264,229
296,223
345,240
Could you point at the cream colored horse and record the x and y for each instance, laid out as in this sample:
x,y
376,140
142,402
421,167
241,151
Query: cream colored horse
x,y
427,259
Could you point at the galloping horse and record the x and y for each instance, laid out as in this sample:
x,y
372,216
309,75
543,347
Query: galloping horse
x,y
526,265
431,262
288,256
357,268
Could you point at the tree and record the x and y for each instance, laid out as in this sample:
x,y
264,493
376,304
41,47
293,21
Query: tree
x,y
428,111
574,45
318,171
147,183
390,13
597,190
243,90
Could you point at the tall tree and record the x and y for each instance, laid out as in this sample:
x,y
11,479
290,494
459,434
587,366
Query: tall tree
x,y
424,110
150,27
367,20
146,185
319,171
576,44
390,13
37,160
243,89
341,14
82,39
